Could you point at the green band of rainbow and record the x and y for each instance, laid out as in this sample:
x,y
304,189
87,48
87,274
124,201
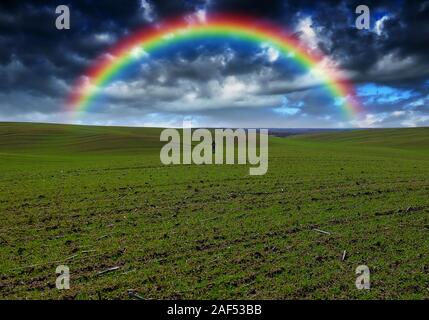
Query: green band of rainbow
x,y
123,54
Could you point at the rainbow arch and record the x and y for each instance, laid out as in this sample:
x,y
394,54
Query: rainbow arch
x,y
146,40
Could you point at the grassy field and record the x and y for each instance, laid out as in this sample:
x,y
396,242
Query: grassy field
x,y
95,198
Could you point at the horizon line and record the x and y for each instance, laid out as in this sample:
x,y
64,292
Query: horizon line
x,y
208,127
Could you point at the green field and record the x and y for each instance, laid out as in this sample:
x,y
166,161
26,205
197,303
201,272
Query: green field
x,y
95,198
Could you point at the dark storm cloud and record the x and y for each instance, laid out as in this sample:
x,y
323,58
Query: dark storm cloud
x,y
38,64
402,37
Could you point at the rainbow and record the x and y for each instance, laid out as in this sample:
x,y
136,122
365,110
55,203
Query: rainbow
x,y
147,40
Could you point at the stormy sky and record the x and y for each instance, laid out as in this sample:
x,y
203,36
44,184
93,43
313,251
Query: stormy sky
x,y
224,83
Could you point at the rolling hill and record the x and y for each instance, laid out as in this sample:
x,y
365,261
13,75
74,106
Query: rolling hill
x,y
98,200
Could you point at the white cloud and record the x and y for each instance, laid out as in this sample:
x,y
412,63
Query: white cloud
x,y
200,15
415,119
304,81
306,32
147,10
138,52
287,108
121,89
398,113
271,53
397,118
108,56
379,25
391,64
416,103
232,88
370,120
104,38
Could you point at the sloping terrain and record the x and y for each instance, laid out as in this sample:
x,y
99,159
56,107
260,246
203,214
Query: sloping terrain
x,y
98,200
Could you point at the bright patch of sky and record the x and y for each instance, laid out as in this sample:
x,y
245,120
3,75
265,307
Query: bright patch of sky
x,y
306,32
138,53
379,25
372,93
287,108
378,18
271,53
147,10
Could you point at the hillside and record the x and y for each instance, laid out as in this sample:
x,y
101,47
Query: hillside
x,y
98,200
68,139
404,138
55,138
